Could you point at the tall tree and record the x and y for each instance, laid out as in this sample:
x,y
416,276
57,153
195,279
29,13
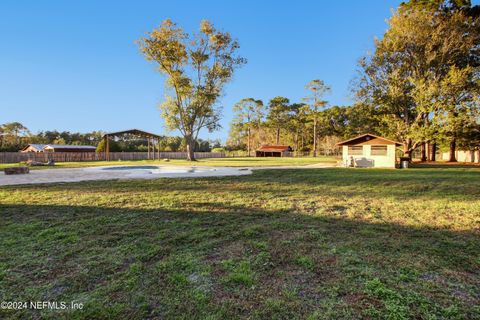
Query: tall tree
x,y
248,115
315,105
13,131
197,68
297,123
278,115
2,135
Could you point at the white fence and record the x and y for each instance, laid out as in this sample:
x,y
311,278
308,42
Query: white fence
x,y
15,157
463,156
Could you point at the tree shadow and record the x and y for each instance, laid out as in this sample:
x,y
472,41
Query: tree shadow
x,y
112,255
445,165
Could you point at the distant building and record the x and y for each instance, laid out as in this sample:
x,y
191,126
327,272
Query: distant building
x,y
57,148
369,150
273,151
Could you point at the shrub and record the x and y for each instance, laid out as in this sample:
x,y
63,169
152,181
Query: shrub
x,y
114,147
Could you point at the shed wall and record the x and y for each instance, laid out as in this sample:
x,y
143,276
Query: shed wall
x,y
367,160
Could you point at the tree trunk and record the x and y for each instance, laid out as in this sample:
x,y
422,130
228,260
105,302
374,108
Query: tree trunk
x,y
453,146
407,152
278,136
433,152
190,148
472,156
314,137
478,156
428,148
296,142
248,142
423,156
148,148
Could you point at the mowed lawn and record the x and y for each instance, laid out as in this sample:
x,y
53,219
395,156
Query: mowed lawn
x,y
279,244
226,162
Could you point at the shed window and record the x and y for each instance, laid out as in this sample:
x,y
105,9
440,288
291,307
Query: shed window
x,y
379,151
355,150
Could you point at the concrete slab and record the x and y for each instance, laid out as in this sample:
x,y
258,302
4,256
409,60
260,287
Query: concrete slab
x,y
118,173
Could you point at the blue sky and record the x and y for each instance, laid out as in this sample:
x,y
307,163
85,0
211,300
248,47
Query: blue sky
x,y
73,65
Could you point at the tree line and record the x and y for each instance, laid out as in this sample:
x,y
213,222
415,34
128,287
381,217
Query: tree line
x,y
307,126
14,136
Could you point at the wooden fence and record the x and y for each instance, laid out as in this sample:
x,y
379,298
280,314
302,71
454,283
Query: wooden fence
x,y
296,154
15,157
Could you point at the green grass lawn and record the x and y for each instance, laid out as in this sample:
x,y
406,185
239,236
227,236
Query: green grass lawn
x,y
278,244
227,162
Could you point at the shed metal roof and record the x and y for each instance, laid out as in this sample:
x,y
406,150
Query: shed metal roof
x,y
69,146
366,137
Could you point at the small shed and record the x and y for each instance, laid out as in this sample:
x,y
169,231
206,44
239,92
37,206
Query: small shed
x,y
34,147
369,150
273,151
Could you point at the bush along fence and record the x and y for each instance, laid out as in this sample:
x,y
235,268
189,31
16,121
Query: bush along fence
x,y
15,157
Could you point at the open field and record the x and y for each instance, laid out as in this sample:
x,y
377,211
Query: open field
x,y
279,244
223,162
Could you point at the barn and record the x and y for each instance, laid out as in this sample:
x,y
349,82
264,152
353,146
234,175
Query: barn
x,y
58,148
273,151
369,150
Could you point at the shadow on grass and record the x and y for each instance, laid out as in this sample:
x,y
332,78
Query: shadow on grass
x,y
431,184
445,165
228,261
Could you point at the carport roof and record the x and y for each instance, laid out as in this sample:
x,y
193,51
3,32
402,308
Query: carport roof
x,y
134,132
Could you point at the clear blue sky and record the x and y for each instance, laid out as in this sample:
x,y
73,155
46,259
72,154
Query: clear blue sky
x,y
73,65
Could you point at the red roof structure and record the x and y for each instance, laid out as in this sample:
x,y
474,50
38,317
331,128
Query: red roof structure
x,y
274,148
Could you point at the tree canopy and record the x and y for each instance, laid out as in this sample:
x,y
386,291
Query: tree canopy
x,y
422,80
